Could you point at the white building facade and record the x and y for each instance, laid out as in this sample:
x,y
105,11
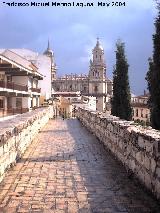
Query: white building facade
x,y
19,84
45,64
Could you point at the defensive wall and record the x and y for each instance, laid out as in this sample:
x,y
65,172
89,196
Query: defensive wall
x,y
137,147
17,133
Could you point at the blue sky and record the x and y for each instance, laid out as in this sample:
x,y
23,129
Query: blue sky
x,y
73,32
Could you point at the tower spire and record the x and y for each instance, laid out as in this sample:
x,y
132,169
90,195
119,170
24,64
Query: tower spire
x,y
48,51
97,41
48,45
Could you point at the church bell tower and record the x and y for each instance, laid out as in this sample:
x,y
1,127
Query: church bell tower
x,y
97,64
48,52
97,76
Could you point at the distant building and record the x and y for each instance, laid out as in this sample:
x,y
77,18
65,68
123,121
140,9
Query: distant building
x,y
95,84
65,107
141,111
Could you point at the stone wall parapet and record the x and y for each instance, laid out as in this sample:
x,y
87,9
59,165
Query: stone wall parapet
x,y
17,133
13,126
137,147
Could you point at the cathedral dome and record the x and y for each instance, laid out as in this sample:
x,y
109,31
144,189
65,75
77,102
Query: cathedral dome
x,y
48,51
98,45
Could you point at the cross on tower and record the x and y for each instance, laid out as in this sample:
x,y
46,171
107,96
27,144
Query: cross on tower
x,y
97,41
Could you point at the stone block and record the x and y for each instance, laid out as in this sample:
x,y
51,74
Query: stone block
x,y
157,188
140,157
158,172
132,164
148,180
147,162
141,142
156,148
153,165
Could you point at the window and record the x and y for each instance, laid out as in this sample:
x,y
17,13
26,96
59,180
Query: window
x,y
96,89
1,103
96,74
18,102
37,101
36,83
2,77
9,78
31,82
136,112
142,113
31,103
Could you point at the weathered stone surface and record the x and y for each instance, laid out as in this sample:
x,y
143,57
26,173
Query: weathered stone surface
x,y
17,133
138,148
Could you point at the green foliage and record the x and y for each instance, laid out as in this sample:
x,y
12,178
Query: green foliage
x,y
153,76
121,101
142,123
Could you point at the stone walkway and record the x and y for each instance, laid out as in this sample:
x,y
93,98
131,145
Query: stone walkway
x,y
66,169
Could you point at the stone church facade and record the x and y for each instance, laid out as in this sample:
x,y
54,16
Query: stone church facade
x,y
95,84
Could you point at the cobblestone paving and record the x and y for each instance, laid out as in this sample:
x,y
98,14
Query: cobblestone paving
x,y
66,169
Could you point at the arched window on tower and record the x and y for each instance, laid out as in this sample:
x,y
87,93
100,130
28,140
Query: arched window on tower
x,y
96,74
96,89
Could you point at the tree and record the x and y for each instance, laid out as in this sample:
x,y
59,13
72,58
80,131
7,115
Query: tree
x,y
121,100
149,79
153,75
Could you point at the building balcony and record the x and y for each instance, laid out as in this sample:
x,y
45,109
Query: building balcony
x,y
38,90
13,86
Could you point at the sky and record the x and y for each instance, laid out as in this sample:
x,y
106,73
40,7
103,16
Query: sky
x,y
72,32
